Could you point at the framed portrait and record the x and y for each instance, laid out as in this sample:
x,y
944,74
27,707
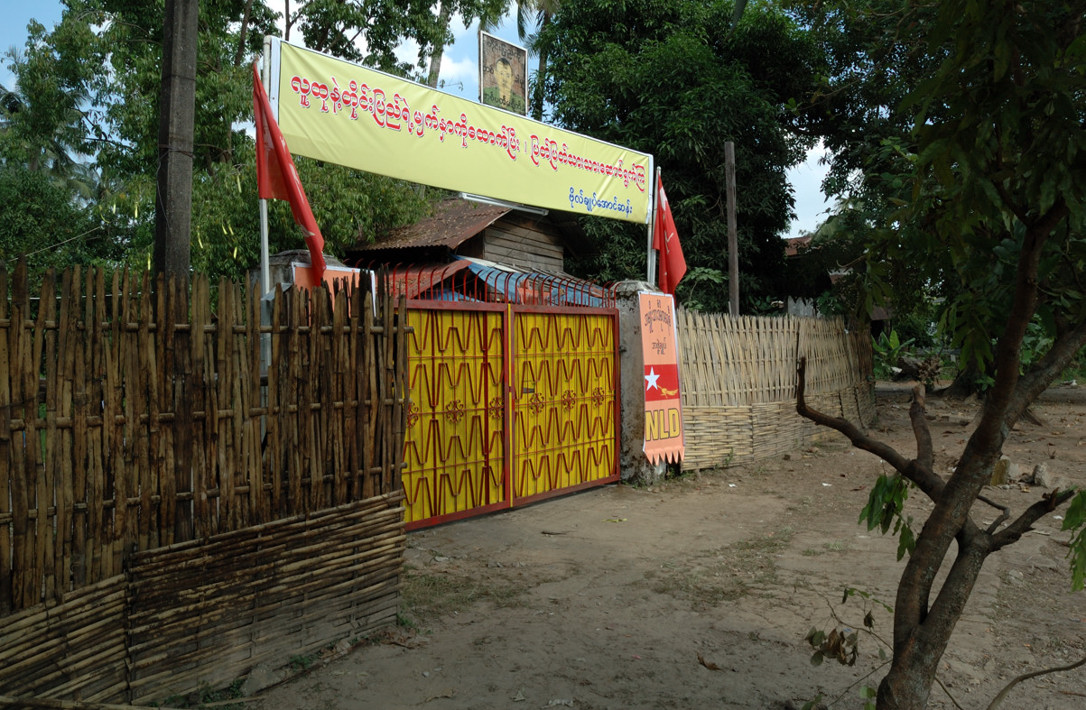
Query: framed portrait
x,y
503,74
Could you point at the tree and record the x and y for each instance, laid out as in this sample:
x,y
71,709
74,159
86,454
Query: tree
x,y
41,221
997,161
367,31
854,113
678,80
486,11
43,123
95,80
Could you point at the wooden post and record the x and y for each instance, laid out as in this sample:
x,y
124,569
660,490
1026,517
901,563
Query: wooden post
x,y
651,276
733,240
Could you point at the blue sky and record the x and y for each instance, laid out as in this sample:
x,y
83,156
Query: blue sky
x,y
459,73
14,16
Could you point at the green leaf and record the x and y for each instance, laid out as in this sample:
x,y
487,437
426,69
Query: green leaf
x,y
1076,512
906,540
1075,519
817,658
885,502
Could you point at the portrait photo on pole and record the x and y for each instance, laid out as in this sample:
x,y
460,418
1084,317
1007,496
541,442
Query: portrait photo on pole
x,y
503,74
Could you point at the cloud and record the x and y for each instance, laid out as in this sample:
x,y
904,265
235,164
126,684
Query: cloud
x,y
456,70
406,52
806,179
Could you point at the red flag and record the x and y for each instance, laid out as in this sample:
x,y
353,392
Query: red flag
x,y
665,240
277,178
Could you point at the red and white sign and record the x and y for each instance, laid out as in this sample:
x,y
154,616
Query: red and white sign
x,y
663,407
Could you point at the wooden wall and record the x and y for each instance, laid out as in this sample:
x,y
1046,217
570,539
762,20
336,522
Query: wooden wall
x,y
524,242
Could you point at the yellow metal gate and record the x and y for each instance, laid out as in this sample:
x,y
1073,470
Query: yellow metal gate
x,y
509,404
564,423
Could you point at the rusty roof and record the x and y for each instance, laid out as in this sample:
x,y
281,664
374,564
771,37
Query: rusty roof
x,y
793,246
452,223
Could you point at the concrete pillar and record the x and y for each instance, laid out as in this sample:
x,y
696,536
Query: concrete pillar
x,y
634,465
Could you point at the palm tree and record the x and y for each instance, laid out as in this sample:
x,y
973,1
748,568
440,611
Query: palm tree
x,y
54,153
45,134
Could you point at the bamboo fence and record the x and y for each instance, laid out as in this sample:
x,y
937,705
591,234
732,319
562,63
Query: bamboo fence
x,y
139,423
739,383
264,594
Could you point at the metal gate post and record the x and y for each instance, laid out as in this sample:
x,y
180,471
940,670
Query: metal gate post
x,y
508,375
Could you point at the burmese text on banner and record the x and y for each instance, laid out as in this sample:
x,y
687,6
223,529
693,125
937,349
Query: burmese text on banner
x,y
343,113
663,410
277,178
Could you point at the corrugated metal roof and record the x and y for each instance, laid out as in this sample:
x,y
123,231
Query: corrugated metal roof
x,y
534,288
453,222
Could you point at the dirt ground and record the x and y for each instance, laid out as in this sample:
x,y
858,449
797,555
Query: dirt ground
x,y
698,593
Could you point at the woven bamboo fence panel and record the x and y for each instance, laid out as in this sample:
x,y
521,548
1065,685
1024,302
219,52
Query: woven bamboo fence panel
x,y
739,383
200,611
73,649
135,419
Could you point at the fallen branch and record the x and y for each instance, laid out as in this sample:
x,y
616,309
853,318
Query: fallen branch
x,y
1026,676
53,704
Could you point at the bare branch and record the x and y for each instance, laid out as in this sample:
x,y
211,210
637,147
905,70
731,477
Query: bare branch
x,y
947,691
924,453
1026,676
998,521
1048,503
914,470
1041,374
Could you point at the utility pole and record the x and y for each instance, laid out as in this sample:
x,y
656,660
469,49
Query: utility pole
x,y
733,238
176,120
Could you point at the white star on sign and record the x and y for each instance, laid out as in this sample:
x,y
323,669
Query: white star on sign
x,y
650,379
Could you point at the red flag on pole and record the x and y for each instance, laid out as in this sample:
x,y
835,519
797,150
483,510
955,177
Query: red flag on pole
x,y
665,240
277,178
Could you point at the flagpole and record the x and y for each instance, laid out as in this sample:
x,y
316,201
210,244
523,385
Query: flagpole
x,y
651,277
265,269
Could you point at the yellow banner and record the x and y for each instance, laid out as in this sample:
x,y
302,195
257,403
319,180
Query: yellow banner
x,y
342,113
663,405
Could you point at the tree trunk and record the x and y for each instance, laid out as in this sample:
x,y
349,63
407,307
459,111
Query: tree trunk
x,y
964,385
240,55
540,72
917,649
444,15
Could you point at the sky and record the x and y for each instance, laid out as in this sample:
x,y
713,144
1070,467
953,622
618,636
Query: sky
x,y
459,76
